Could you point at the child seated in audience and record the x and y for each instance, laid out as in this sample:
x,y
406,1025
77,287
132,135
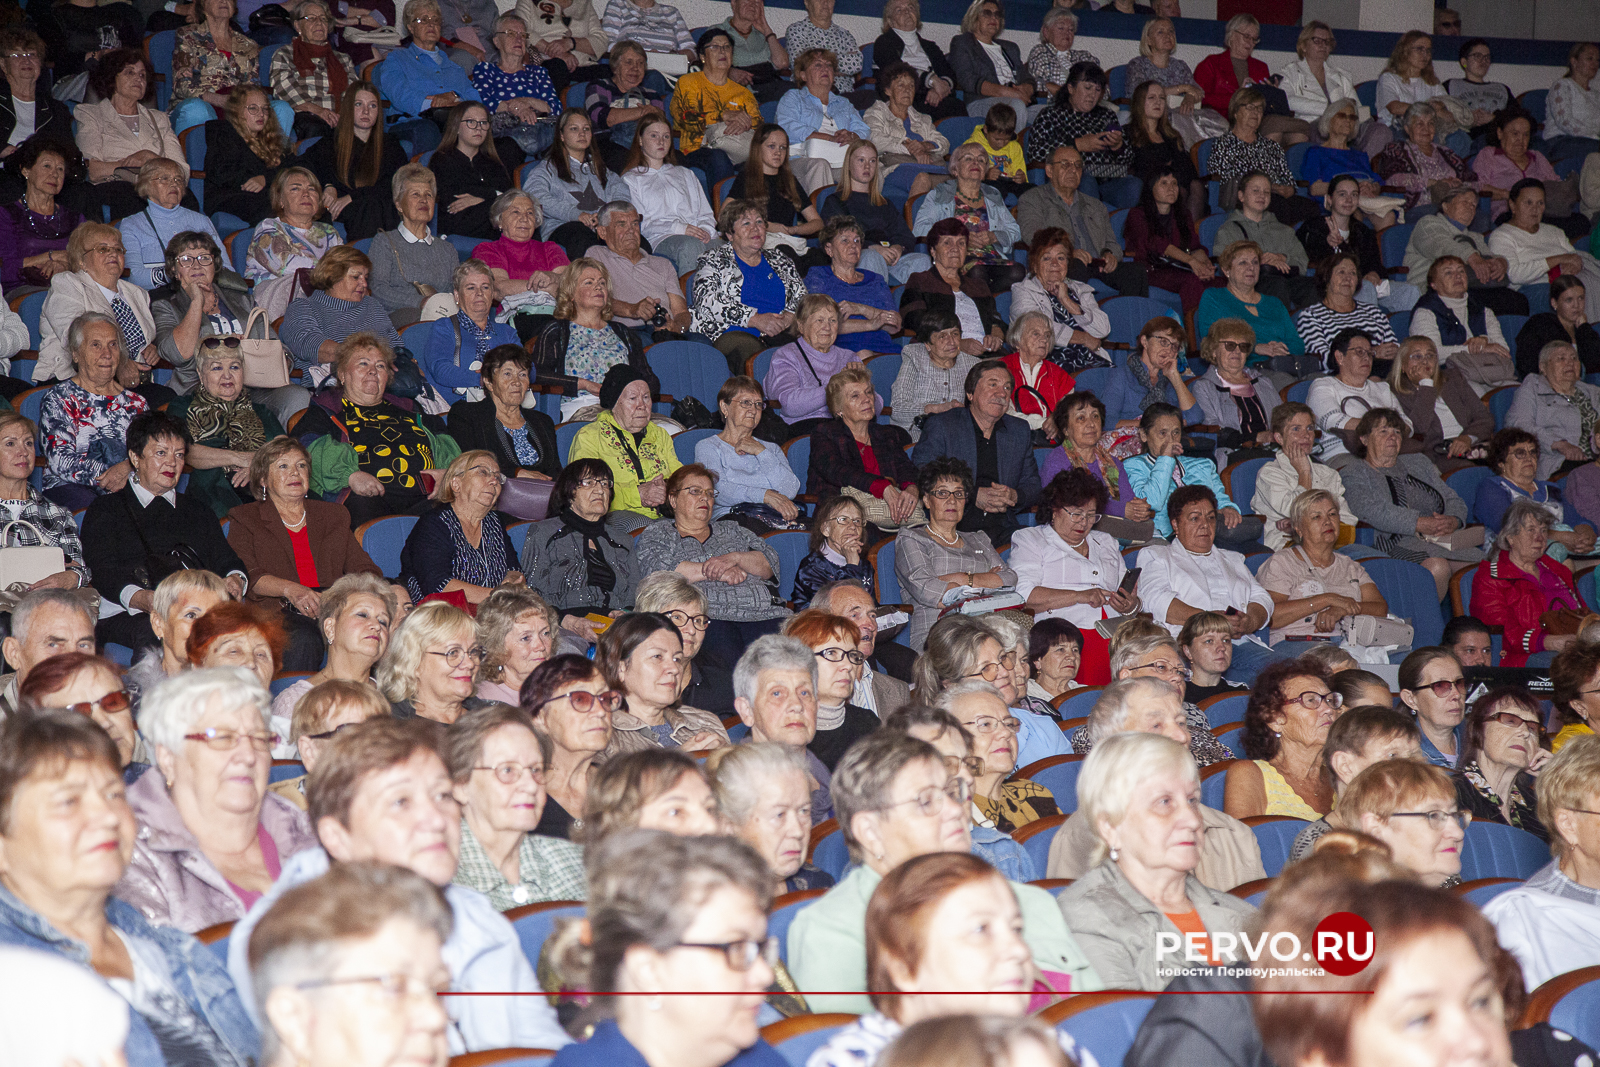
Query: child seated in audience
x,y
1008,170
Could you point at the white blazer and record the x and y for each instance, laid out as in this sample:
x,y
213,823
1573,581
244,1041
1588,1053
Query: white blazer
x,y
1306,98
1042,559
70,296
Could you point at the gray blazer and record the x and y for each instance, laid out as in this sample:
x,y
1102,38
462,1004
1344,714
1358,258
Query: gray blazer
x,y
1116,925
552,560
169,304
1551,417
973,66
1367,492
1217,405
1043,206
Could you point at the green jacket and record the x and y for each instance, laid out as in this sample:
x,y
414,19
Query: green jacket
x,y
827,942
333,462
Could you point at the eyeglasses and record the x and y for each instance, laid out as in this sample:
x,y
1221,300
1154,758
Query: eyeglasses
x,y
942,495
696,492
1311,700
1166,670
990,671
397,987
752,404
1234,347
984,725
973,765
513,35
22,55
422,21
223,740
590,483
454,656
839,655
219,342
510,773
583,702
317,19
1161,340
329,733
109,250
113,702
1526,452
167,179
1437,820
1445,688
1478,55
1079,514
488,472
741,955
475,124
847,520
1513,720
681,619
928,801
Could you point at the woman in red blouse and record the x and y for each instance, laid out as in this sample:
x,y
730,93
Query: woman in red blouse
x,y
1518,583
854,450
1218,75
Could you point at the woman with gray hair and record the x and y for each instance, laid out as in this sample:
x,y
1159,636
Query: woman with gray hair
x,y
1313,588
460,342
83,422
1157,656
214,839
1519,587
1141,794
311,75
161,184
897,799
517,630
1559,408
408,265
671,594
974,203
518,260
1054,55
1417,164
764,794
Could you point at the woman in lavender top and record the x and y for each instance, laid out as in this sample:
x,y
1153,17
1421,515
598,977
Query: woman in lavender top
x,y
1080,418
34,230
798,377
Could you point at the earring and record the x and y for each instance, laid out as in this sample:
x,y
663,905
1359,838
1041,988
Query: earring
x,y
1114,853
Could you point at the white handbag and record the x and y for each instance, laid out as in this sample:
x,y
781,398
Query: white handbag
x,y
28,563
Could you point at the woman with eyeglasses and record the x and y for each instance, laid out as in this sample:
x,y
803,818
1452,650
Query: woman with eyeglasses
x,y
91,686
838,551
497,762
469,172
311,75
319,715
461,545
226,429
641,657
427,670
1285,727
1144,651
669,593
244,150
833,639
581,559
213,840
1432,687
1410,806
1002,799
1513,455
1313,587
1501,757
516,80
757,486
570,703
517,631
896,800
736,570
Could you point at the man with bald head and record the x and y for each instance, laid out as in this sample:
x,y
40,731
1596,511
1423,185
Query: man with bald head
x,y
882,687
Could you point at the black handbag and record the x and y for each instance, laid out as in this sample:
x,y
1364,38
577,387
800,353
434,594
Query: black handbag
x,y
158,565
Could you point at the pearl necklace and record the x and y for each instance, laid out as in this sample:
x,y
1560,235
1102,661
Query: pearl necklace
x,y
297,524
952,542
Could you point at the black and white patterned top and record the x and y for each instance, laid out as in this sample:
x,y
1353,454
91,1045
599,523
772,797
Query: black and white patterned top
x,y
54,523
438,552
1318,324
1233,158
802,35
1057,125
661,548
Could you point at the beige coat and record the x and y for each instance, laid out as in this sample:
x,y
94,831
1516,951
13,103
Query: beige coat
x,y
103,135
582,25
628,734
70,296
1229,854
889,134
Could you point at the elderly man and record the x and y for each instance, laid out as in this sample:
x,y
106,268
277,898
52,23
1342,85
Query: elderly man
x,y
758,53
1229,854
382,795
775,694
1446,234
1191,575
1097,252
885,688
638,280
45,623
997,447
1156,656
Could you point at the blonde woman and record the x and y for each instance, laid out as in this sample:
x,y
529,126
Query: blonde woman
x,y
244,150
428,669
517,630
582,340
902,42
1408,78
860,195
1311,82
461,546
1445,412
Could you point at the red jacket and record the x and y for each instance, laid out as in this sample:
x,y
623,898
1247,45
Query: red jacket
x,y
1503,594
1216,77
1054,383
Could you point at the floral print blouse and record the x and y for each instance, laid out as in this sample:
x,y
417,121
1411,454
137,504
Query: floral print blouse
x,y
200,65
84,435
278,249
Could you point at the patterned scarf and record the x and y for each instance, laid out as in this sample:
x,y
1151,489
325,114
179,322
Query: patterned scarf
x,y
1098,454
1155,386
305,62
211,418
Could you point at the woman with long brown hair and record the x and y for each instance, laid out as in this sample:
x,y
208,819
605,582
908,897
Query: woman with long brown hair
x,y
767,179
356,164
1157,145
574,167
469,171
244,150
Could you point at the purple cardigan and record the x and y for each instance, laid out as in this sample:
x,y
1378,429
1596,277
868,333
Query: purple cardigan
x,y
1057,462
24,234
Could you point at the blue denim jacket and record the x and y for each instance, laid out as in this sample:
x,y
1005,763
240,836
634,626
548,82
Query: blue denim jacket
x,y
198,975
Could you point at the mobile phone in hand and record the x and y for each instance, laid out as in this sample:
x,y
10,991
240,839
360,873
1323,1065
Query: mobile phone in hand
x,y
1129,579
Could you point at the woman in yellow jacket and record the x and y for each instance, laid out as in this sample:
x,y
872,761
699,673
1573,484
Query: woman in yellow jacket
x,y
638,451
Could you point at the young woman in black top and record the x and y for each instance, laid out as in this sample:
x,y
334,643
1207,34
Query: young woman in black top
x,y
469,173
244,150
356,166
1157,146
766,178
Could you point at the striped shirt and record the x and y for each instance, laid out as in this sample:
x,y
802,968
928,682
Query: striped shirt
x,y
320,317
658,28
1318,324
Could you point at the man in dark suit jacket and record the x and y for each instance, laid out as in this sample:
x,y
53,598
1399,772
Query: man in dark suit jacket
x,y
125,530
998,447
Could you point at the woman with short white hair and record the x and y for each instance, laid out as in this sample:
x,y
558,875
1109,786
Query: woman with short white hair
x,y
410,258
763,791
1559,408
1141,793
1138,705
213,839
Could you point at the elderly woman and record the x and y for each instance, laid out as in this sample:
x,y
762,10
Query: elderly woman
x,y
522,440
1517,585
989,70
1237,400
677,217
95,261
1367,731
951,288
800,373
1462,327
1431,686
1500,760
1513,455
1310,82
90,686
1282,256
1143,883
1418,165
617,104
1559,409
145,235
238,635
1565,321
1313,588
1415,512
469,171
1537,251
497,762
867,314
210,58
1078,326
962,648
244,150
568,184
1159,234
1447,418
1077,119
1080,421
1055,651
179,599
1338,154
818,32
746,299
933,78
638,451
837,550
518,261
1223,74
457,345
1158,62
933,559
840,721
118,134
426,672
226,429
651,788
517,631
355,616
855,450
763,793
310,75
1039,383
517,84
1410,806
52,888
1150,376
583,341
460,545
989,226
1285,726
713,112
1338,402
52,524
757,484
641,656
897,801
349,423
1500,167
24,52
669,593
1341,287
581,558
914,152
816,116
1161,468
34,229
83,422
569,702
341,305
214,839
933,372
1292,472
1277,342
1549,931
410,259
289,242
356,182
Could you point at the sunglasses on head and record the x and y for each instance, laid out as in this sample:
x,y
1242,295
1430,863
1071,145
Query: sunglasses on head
x,y
220,342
